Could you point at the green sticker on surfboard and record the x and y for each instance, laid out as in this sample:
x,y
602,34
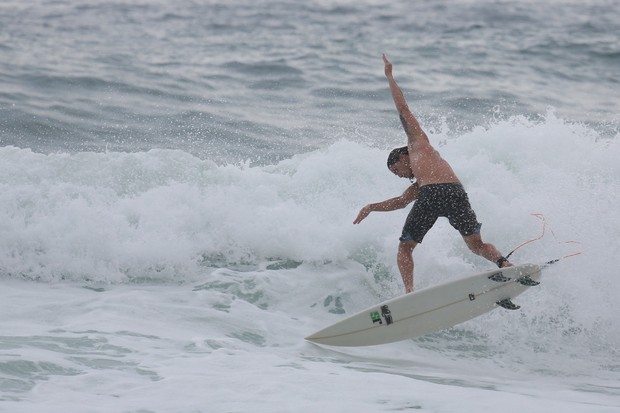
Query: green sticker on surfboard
x,y
375,316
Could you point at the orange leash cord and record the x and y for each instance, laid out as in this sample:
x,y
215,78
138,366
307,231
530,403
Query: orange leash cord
x,y
544,228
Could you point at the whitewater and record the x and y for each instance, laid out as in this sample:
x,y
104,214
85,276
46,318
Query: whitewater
x,y
179,180
147,282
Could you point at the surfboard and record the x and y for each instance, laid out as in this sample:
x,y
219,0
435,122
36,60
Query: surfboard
x,y
431,309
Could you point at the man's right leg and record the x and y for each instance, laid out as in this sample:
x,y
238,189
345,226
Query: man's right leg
x,y
404,259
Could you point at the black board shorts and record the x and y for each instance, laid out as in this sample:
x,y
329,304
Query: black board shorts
x,y
440,200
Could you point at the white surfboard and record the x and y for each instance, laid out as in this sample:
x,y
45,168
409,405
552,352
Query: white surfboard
x,y
431,309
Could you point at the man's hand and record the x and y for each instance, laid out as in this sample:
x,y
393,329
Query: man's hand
x,y
388,66
364,212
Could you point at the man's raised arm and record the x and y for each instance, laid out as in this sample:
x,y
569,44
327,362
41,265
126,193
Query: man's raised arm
x,y
410,123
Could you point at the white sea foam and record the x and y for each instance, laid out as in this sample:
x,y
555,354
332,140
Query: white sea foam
x,y
203,279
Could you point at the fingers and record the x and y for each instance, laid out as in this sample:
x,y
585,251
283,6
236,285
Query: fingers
x,y
362,214
388,65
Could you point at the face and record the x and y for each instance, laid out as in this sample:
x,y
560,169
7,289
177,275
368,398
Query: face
x,y
402,168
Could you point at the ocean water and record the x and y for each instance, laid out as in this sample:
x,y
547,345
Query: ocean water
x,y
178,181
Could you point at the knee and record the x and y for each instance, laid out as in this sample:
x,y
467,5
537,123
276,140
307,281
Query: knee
x,y
406,247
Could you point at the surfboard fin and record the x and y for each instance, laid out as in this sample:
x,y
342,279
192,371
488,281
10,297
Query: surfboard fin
x,y
507,304
527,281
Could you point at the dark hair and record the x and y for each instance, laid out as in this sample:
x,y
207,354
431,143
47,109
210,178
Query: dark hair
x,y
394,156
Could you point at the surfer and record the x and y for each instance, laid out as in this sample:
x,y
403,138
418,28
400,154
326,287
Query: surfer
x,y
437,191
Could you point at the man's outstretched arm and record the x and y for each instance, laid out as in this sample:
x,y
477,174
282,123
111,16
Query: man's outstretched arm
x,y
414,131
392,204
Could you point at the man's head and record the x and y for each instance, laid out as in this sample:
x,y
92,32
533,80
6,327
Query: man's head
x,y
399,164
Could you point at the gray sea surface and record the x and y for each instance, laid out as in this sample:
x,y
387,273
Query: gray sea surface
x,y
263,80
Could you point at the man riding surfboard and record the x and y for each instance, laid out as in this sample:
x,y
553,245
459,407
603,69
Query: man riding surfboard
x,y
437,192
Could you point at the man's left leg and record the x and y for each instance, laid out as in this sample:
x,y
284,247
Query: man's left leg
x,y
486,250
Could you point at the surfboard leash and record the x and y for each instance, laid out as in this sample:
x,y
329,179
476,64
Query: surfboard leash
x,y
544,229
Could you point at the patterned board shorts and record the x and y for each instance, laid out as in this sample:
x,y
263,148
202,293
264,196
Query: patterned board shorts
x,y
440,200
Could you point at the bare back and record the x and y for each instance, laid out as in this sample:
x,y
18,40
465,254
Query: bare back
x,y
427,164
